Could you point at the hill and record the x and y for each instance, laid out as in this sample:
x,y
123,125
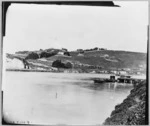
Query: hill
x,y
95,59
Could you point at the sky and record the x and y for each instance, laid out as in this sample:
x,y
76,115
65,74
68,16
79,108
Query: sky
x,y
33,27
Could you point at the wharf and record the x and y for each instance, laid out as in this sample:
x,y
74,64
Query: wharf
x,y
121,79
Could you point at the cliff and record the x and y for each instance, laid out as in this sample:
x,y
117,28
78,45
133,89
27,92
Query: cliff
x,y
132,111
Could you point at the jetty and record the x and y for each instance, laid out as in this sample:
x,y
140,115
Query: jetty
x,y
129,80
121,79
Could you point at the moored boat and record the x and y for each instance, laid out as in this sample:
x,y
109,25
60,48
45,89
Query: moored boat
x,y
103,80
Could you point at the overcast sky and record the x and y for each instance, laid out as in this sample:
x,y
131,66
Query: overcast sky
x,y
34,27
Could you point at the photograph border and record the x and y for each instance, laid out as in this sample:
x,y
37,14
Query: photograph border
x,y
4,8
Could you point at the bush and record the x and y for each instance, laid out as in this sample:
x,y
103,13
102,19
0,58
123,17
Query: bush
x,y
58,64
68,65
32,55
47,54
96,48
67,53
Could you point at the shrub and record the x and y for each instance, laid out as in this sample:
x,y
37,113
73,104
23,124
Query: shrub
x,y
58,64
67,53
68,65
47,54
96,48
32,55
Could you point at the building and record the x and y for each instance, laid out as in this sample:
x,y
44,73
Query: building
x,y
122,72
60,53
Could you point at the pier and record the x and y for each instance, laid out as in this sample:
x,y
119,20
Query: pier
x,y
121,79
129,80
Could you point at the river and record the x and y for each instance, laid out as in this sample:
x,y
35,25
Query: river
x,y
59,98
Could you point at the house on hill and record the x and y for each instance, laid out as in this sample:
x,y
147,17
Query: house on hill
x,y
60,53
63,51
122,72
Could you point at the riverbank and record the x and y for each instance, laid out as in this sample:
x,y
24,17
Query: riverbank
x,y
29,70
132,111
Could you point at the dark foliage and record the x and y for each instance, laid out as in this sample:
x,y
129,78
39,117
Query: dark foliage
x,y
47,54
32,55
67,53
94,49
58,64
68,65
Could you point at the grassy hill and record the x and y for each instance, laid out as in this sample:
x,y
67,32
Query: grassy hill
x,y
106,59
119,59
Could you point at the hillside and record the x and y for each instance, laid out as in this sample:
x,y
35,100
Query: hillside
x,y
110,58
132,111
97,59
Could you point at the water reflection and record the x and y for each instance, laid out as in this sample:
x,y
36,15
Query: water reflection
x,y
104,86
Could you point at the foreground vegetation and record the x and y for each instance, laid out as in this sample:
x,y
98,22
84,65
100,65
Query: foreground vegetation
x,y
132,111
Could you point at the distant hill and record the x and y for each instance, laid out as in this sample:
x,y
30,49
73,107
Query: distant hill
x,y
113,59
104,59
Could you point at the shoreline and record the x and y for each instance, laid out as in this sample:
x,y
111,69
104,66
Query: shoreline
x,y
62,71
29,70
132,111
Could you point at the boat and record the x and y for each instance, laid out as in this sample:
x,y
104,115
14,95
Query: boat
x,y
99,80
104,80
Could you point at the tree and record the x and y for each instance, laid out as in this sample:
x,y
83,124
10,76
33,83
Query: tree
x,y
96,48
58,64
32,55
67,53
68,65
47,54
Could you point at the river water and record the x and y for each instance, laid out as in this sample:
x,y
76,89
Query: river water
x,y
59,98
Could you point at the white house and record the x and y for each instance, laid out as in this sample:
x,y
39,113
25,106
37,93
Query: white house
x,y
122,72
60,53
